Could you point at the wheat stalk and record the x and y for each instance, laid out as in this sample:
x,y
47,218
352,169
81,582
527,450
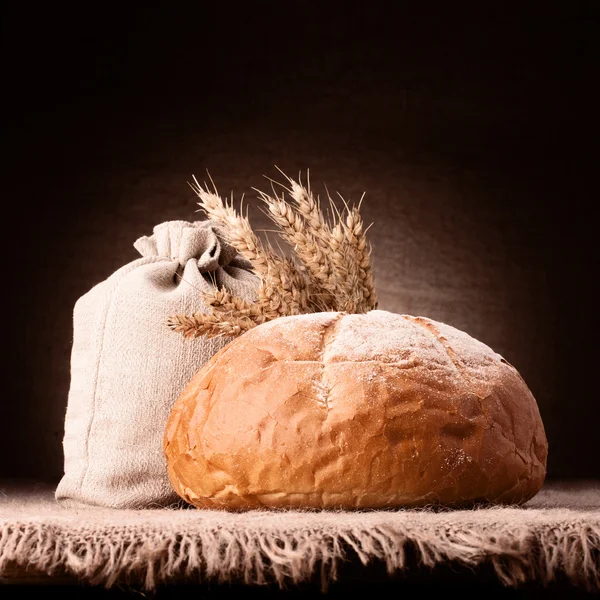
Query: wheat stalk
x,y
209,325
346,280
277,273
287,288
341,261
356,239
302,237
309,207
223,302
236,227
330,268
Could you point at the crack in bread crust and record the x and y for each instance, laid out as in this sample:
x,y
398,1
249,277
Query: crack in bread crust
x,y
451,354
328,339
440,339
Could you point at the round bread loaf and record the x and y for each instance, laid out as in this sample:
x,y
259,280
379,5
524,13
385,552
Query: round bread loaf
x,y
336,410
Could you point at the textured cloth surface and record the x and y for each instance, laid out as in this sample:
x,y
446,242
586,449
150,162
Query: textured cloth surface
x,y
127,367
555,535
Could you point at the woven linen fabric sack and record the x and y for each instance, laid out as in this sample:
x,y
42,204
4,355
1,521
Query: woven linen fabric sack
x,y
128,368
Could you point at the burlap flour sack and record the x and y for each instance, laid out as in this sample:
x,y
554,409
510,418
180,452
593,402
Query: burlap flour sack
x,y
127,367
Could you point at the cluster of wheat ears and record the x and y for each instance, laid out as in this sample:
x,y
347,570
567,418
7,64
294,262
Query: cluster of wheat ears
x,y
329,268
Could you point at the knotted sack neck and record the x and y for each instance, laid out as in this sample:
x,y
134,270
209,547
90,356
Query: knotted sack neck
x,y
182,241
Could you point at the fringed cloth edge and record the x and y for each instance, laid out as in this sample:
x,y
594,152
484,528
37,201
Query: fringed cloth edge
x,y
154,547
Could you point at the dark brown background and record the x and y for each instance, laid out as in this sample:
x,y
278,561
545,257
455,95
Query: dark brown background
x,y
471,133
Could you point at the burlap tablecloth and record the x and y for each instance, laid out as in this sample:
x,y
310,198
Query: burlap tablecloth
x,y
555,535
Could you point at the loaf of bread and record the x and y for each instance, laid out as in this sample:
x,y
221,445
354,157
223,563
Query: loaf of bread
x,y
336,410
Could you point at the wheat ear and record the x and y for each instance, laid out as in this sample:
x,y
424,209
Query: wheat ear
x,y
339,248
236,227
209,325
302,238
333,271
287,289
284,289
356,239
310,209
223,302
